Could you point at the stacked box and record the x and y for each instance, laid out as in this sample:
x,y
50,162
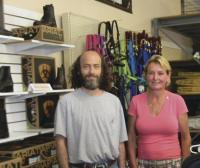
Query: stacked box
x,y
40,32
30,152
7,162
41,110
37,70
49,162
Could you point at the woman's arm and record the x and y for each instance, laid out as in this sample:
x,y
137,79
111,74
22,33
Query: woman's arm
x,y
185,135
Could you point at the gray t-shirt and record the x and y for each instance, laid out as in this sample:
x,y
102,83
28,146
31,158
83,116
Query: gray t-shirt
x,y
93,125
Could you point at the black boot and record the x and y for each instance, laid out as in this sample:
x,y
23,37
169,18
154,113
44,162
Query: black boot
x,y
6,82
3,31
3,121
48,18
60,82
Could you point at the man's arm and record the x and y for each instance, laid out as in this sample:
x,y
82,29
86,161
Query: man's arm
x,y
122,155
62,152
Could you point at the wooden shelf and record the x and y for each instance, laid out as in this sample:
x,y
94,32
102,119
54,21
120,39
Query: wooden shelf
x,y
22,134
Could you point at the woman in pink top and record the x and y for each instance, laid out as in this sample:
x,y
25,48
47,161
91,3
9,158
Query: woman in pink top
x,y
155,118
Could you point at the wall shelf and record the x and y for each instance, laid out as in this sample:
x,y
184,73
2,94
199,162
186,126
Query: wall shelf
x,y
26,95
22,134
9,39
19,46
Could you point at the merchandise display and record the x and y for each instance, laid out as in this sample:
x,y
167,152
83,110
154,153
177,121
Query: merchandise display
x,y
41,110
60,81
31,151
6,162
125,54
3,120
48,17
38,70
6,82
40,32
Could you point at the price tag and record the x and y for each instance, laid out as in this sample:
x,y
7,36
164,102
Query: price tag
x,y
39,87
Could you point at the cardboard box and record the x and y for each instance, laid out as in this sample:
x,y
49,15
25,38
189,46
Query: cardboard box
x,y
8,162
30,152
40,32
41,110
37,70
50,162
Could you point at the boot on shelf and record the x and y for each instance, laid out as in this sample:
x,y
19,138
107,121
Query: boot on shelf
x,y
60,81
48,17
6,82
3,121
3,31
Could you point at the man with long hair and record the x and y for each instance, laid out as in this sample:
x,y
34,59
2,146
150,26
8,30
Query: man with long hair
x,y
89,123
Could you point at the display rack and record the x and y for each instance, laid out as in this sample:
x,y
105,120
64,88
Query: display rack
x,y
19,46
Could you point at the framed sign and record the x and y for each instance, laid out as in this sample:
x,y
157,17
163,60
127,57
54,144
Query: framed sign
x,y
125,5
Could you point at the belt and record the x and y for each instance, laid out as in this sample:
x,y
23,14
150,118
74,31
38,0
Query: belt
x,y
105,164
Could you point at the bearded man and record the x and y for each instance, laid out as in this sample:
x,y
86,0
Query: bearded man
x,y
90,128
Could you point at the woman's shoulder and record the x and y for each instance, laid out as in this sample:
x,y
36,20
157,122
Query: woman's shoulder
x,y
174,95
140,97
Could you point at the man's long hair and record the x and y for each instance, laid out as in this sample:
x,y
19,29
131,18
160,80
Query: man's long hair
x,y
77,78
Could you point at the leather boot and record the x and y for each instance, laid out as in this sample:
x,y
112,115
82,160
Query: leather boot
x,y
3,31
3,121
48,18
60,82
6,82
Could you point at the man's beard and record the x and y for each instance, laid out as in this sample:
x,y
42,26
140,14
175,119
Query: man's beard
x,y
91,84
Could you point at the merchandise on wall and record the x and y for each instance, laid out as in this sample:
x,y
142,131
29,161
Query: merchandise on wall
x,y
43,30
41,110
31,152
3,120
6,82
6,162
37,70
60,81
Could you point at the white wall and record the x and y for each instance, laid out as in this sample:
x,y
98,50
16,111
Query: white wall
x,y
143,10
140,19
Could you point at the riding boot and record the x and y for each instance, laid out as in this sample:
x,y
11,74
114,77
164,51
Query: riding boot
x,y
6,82
60,82
48,18
3,121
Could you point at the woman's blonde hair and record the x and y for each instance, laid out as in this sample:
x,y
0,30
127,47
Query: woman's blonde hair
x,y
162,61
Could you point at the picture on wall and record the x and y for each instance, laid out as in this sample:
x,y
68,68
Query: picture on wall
x,y
125,5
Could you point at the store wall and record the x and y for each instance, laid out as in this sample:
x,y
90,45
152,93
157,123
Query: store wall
x,y
140,19
143,10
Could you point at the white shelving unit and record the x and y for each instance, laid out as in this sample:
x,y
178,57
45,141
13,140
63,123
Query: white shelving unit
x,y
19,46
21,134
25,95
15,45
